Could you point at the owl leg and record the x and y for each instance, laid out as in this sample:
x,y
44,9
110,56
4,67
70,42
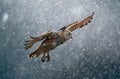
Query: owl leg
x,y
43,57
47,57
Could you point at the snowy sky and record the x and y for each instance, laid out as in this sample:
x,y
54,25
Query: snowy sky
x,y
94,52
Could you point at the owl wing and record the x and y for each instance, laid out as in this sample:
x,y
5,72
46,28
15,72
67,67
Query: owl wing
x,y
30,42
78,24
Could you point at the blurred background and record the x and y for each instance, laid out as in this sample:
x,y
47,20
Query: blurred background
x,y
94,52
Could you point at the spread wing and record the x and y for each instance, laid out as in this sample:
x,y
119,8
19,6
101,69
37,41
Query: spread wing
x,y
29,43
78,24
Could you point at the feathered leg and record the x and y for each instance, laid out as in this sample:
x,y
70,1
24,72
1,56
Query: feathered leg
x,y
43,57
47,57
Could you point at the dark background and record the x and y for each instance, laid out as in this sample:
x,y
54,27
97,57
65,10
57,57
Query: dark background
x,y
94,52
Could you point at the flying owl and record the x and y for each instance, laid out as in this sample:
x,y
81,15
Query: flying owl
x,y
51,40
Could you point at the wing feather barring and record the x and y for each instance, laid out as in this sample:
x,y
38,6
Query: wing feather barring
x,y
51,40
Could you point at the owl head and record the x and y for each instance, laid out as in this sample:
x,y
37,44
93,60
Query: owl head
x,y
67,34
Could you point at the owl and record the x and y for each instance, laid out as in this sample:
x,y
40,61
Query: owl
x,y
51,40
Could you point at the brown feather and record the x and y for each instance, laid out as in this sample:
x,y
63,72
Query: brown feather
x,y
80,24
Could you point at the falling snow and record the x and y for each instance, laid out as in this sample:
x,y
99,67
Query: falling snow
x,y
93,53
5,17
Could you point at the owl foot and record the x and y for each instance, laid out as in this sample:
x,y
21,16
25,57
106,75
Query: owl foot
x,y
47,58
43,59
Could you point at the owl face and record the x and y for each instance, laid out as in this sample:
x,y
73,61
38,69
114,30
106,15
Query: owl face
x,y
67,35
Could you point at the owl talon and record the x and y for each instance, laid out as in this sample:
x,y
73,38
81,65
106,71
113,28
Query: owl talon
x,y
43,59
47,58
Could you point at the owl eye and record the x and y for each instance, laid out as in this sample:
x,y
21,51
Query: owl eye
x,y
69,34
